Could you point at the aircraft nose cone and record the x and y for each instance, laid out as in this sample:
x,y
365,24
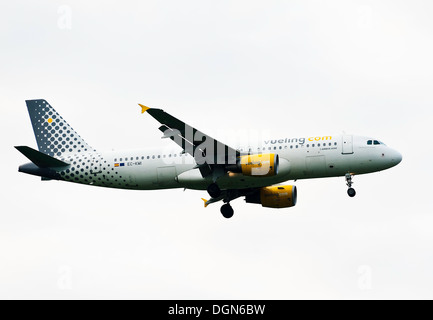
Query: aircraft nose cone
x,y
397,157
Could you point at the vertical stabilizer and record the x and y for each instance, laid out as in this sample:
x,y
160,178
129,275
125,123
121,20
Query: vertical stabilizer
x,y
55,137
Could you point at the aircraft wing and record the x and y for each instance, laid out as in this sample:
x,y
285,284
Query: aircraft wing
x,y
208,152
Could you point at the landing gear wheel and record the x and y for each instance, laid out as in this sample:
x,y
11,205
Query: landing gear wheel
x,y
213,190
351,192
227,211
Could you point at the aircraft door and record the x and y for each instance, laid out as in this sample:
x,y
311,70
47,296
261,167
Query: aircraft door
x,y
347,144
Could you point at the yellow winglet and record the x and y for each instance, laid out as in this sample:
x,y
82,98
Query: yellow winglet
x,y
143,108
205,202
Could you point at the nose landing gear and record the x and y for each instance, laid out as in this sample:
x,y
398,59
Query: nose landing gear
x,y
351,192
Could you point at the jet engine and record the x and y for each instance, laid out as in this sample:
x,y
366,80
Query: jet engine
x,y
274,197
260,165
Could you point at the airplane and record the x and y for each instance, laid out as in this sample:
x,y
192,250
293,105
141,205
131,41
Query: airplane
x,y
203,163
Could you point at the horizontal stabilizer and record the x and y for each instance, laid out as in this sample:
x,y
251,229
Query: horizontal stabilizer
x,y
41,159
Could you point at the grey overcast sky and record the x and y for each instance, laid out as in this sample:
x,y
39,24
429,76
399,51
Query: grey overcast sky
x,y
285,68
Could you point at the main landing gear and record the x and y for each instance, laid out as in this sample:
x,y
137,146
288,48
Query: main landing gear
x,y
226,196
351,192
227,211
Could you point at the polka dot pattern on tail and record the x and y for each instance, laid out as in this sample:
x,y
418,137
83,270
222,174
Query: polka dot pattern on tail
x,y
54,136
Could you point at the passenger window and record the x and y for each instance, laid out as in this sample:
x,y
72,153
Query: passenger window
x,y
313,145
148,157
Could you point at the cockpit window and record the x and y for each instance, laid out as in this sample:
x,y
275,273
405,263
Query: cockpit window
x,y
375,142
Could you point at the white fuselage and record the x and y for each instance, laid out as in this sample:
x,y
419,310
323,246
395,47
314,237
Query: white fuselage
x,y
305,158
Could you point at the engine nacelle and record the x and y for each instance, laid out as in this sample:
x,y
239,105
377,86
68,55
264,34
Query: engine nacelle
x,y
275,197
257,165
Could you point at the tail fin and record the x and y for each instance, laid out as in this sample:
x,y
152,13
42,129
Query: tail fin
x,y
55,137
